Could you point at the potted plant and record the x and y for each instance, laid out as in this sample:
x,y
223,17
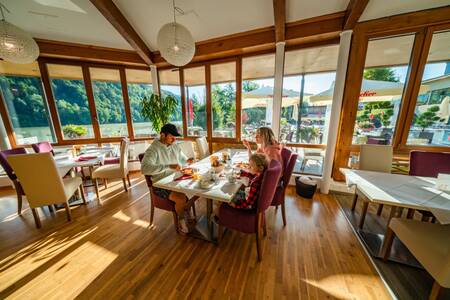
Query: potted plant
x,y
158,109
74,131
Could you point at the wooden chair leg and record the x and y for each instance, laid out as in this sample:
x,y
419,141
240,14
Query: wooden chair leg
x,y
50,208
355,199
258,237
410,214
387,244
96,188
19,203
283,213
380,209
363,214
125,184
264,227
128,179
105,183
83,196
69,214
434,294
37,221
152,212
175,221
194,211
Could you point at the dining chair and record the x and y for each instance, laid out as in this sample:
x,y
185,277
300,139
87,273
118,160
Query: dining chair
x,y
114,171
9,171
428,164
43,147
430,245
44,190
187,147
280,192
160,202
377,158
252,221
203,147
115,159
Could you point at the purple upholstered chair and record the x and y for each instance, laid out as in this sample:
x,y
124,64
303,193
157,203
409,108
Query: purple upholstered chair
x,y
43,147
428,164
278,198
285,156
10,172
160,202
251,221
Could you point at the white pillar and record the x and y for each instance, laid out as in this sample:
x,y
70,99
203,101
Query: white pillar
x,y
155,84
338,94
4,141
278,88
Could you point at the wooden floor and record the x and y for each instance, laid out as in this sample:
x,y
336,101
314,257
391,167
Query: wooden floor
x,y
109,251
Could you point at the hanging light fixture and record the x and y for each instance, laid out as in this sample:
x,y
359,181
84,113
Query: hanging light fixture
x,y
175,42
16,46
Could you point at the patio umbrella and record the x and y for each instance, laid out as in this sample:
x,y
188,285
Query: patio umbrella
x,y
264,95
371,91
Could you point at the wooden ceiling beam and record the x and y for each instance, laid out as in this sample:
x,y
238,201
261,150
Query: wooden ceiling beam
x,y
279,14
112,13
354,11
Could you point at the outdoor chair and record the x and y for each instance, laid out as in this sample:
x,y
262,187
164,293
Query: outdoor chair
x,y
252,221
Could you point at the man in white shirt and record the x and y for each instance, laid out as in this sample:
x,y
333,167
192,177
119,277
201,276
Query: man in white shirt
x,y
163,158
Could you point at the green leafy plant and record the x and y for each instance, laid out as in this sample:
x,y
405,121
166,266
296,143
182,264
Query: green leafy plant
x,y
428,118
308,133
158,109
74,131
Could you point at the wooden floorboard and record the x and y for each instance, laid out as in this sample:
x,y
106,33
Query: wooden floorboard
x,y
109,251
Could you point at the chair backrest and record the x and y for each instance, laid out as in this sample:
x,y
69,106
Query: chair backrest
x,y
203,147
43,147
376,158
4,161
124,144
429,164
285,156
187,147
287,172
269,185
39,177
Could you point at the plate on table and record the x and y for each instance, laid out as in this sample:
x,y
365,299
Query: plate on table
x,y
242,165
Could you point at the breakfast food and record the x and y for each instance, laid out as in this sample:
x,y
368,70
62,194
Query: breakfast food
x,y
215,161
225,156
187,171
242,165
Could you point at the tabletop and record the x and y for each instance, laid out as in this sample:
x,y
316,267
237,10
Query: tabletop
x,y
402,191
222,190
65,163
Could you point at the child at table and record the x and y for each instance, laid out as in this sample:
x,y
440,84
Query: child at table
x,y
248,197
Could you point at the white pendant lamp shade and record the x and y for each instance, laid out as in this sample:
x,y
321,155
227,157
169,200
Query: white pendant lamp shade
x,y
176,44
16,45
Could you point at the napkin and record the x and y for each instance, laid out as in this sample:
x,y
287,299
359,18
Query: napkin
x,y
183,177
86,157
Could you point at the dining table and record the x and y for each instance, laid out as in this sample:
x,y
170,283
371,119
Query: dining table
x,y
399,192
221,191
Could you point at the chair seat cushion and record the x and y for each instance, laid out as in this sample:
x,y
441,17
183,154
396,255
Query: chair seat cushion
x,y
162,203
71,184
429,243
108,171
242,220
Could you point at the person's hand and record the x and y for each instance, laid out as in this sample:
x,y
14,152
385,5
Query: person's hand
x,y
246,144
190,161
175,167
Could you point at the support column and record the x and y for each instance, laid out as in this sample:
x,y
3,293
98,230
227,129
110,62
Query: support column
x,y
4,141
155,83
344,50
278,88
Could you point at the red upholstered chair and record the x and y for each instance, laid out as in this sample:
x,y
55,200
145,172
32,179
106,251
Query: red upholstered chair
x,y
160,202
11,175
428,164
43,147
279,197
252,221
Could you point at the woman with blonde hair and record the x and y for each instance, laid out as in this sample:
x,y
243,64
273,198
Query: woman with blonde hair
x,y
267,144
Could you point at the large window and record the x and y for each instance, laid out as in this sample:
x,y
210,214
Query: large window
x,y
257,93
195,93
27,109
109,104
71,101
223,99
431,121
308,86
169,82
382,89
139,83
